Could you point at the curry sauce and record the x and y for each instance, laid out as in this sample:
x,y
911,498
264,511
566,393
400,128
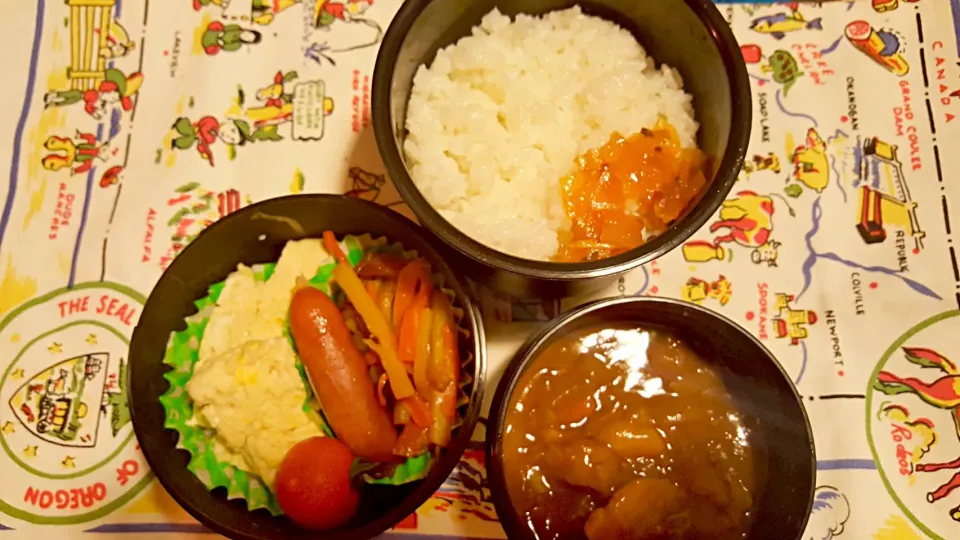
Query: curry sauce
x,y
618,432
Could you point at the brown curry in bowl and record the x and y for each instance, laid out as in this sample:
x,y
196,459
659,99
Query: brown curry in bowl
x,y
624,432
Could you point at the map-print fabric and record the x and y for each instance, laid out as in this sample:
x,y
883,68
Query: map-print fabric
x,y
129,127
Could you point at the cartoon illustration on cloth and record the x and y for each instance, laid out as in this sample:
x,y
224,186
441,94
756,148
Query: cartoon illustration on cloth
x,y
757,163
752,53
115,90
811,165
65,416
118,44
205,131
882,46
465,492
917,436
789,322
327,13
749,220
276,104
364,184
218,37
780,24
63,403
883,6
78,154
193,209
262,12
781,65
95,37
302,104
111,176
698,290
750,9
700,251
941,393
883,196
829,514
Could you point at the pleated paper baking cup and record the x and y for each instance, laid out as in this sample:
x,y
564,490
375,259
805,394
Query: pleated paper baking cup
x,y
182,355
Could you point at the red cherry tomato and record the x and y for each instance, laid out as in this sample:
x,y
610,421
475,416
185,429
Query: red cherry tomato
x,y
313,484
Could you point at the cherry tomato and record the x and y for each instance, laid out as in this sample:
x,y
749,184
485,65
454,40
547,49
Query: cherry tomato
x,y
313,484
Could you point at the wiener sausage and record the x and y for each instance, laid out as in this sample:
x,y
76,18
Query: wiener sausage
x,y
338,374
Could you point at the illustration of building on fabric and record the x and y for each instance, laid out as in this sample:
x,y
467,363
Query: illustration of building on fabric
x,y
884,198
789,322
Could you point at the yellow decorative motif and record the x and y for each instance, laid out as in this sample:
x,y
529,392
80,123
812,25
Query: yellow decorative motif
x,y
15,287
296,185
896,528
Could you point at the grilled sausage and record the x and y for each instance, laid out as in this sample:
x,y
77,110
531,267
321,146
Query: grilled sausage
x,y
338,374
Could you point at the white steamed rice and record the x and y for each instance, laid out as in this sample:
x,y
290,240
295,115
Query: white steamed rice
x,y
501,115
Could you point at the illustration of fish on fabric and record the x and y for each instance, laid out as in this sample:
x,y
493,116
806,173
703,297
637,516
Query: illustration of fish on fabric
x,y
779,24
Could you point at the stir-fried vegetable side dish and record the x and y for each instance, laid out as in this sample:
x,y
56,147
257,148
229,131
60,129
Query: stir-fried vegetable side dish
x,y
297,382
381,357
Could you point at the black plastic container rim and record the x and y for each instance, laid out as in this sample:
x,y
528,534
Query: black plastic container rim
x,y
528,352
452,454
679,232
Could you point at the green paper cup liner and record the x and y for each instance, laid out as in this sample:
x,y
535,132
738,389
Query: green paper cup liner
x,y
183,352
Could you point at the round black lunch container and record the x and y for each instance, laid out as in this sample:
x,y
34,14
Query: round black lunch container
x,y
257,234
689,35
779,430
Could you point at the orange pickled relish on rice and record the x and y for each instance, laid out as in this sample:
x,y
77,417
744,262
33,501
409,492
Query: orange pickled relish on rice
x,y
629,189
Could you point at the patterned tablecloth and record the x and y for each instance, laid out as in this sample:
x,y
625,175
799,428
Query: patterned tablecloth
x,y
129,126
